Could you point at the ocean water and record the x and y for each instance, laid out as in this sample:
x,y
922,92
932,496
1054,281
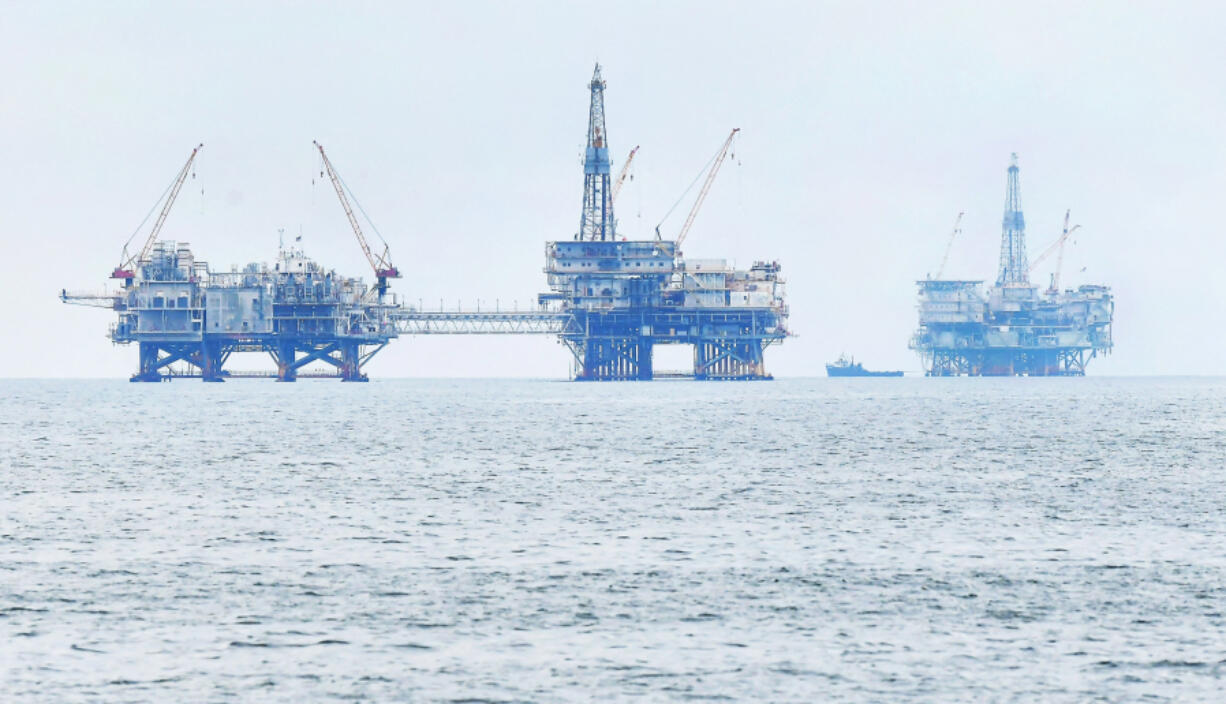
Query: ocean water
x,y
797,540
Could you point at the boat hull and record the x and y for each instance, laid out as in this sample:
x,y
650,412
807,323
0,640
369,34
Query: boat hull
x,y
832,370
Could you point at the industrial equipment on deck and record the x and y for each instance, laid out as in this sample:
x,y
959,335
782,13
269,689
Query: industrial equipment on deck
x,y
179,311
610,300
1013,329
621,298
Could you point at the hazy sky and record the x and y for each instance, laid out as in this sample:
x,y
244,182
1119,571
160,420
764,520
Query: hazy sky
x,y
866,127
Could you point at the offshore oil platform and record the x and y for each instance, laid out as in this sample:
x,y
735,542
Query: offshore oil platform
x,y
624,297
610,301
1014,329
177,310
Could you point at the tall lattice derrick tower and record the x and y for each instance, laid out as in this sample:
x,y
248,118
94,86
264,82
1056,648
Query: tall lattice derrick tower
x,y
1014,269
596,223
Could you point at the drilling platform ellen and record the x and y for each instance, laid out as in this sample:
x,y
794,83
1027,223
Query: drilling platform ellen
x,y
1015,329
611,300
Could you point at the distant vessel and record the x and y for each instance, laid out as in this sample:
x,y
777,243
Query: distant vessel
x,y
850,367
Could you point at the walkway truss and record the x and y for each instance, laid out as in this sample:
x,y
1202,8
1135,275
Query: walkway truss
x,y
612,345
481,323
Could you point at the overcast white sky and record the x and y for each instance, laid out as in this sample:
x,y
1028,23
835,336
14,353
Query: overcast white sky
x,y
866,127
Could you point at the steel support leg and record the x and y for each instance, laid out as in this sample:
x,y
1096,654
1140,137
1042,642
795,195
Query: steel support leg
x,y
643,351
731,359
286,371
351,363
210,361
148,363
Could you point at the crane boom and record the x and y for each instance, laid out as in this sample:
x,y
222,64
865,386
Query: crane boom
x,y
950,245
706,186
1057,246
621,178
127,265
382,263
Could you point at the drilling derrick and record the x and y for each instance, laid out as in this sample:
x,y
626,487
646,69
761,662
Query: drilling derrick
x,y
611,300
621,298
596,224
1012,329
1013,266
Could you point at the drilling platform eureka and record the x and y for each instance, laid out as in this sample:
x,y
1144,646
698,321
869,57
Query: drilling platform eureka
x,y
1014,329
611,300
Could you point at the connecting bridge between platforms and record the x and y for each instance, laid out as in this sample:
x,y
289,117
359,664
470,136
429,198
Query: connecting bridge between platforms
x,y
617,344
480,323
610,300
188,321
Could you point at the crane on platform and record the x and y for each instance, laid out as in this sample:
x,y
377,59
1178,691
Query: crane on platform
x,y
621,178
950,245
706,187
381,263
127,264
1058,248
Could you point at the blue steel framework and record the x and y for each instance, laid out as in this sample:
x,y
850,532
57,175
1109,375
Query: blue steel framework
x,y
177,311
625,297
1014,329
610,303
1014,269
617,345
612,300
596,223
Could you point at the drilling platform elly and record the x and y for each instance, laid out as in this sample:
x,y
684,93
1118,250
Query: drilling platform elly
x,y
176,309
610,301
1014,329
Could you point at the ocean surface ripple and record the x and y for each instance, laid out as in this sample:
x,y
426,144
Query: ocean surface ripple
x,y
536,541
